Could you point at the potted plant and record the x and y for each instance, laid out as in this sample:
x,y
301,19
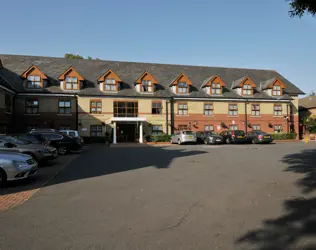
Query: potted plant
x,y
223,125
249,125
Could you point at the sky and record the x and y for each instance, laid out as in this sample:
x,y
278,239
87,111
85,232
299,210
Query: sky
x,y
226,33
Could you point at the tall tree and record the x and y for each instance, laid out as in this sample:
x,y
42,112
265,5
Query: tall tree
x,y
73,56
312,93
299,7
89,58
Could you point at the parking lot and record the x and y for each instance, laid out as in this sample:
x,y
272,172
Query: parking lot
x,y
133,196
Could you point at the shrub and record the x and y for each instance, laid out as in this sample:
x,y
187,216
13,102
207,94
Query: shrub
x,y
158,138
284,136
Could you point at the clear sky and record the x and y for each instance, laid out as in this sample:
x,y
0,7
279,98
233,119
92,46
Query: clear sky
x,y
229,33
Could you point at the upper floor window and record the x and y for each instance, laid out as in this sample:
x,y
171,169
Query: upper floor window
x,y
64,107
247,89
276,90
183,88
216,89
255,109
125,109
8,103
95,106
277,110
71,83
110,85
208,109
31,106
232,110
182,109
147,86
156,108
33,82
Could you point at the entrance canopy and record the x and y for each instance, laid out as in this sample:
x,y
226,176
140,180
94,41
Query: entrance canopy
x,y
128,119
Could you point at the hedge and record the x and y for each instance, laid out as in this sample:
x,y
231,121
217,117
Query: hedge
x,y
158,138
284,136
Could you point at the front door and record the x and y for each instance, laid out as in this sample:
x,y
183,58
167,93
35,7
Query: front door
x,y
126,132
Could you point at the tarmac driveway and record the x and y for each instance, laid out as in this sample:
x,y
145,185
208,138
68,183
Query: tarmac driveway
x,y
174,197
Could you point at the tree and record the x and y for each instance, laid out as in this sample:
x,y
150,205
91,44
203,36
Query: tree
x,y
312,93
89,58
73,56
299,7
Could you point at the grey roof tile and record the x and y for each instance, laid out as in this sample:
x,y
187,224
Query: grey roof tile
x,y
236,83
307,102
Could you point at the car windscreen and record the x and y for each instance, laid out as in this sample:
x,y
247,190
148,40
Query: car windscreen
x,y
240,132
260,133
73,134
14,140
187,132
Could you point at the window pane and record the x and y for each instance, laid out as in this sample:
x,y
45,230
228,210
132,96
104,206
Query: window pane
x,y
67,104
68,86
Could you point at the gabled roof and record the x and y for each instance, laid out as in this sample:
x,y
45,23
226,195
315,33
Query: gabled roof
x,y
238,83
268,83
102,78
32,68
128,72
139,79
307,102
5,84
62,76
178,77
210,80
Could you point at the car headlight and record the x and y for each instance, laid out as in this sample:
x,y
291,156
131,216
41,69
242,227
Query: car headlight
x,y
20,164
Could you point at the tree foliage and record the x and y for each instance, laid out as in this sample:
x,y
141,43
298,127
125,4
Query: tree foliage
x,y
299,7
310,124
73,56
312,93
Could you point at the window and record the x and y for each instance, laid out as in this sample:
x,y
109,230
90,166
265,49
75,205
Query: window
x,y
33,82
232,110
277,110
125,109
31,107
278,128
256,127
64,127
72,83
8,103
247,89
255,109
182,88
110,85
276,90
182,127
208,128
96,107
156,108
64,107
182,109
157,130
216,89
147,86
208,109
95,130
233,127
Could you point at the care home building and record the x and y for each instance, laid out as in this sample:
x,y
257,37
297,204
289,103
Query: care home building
x,y
131,100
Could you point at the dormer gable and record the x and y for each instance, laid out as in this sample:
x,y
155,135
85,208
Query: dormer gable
x,y
109,81
71,80
181,85
213,85
34,78
273,87
146,83
244,86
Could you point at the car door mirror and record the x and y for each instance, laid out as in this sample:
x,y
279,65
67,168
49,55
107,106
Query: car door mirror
x,y
9,145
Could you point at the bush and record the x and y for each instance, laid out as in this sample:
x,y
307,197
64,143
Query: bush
x,y
158,138
284,136
96,139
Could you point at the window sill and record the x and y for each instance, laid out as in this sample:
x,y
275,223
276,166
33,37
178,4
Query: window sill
x,y
8,113
183,115
208,115
255,116
156,114
110,91
96,114
64,114
233,116
278,116
32,114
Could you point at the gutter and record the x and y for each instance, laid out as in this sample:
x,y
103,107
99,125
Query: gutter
x,y
6,89
76,97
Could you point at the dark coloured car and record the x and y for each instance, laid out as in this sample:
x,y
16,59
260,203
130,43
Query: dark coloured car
x,y
35,138
208,137
258,137
234,136
63,143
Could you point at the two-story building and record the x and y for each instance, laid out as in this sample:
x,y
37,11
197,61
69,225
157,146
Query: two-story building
x,y
131,100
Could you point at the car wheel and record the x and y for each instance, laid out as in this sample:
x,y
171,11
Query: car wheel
x,y
3,177
253,141
205,142
179,141
228,141
62,150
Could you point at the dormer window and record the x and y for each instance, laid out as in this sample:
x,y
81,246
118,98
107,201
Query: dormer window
x,y
247,89
273,87
183,88
213,85
244,86
110,84
109,81
71,83
34,82
276,90
216,89
147,86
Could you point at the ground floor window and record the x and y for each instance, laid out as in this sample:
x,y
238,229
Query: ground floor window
x,y
157,130
183,127
95,130
209,128
278,128
233,127
256,127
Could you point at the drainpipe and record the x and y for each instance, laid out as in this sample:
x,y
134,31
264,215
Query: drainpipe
x,y
76,112
246,118
287,118
167,117
13,114
172,114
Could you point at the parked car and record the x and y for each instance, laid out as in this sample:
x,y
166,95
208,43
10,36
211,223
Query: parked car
x,y
35,139
63,143
233,136
16,166
72,133
258,137
208,137
184,136
39,152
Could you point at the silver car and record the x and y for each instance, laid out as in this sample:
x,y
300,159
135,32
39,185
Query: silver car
x,y
15,166
184,136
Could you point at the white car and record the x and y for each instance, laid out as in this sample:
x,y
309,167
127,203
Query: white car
x,y
185,136
16,166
